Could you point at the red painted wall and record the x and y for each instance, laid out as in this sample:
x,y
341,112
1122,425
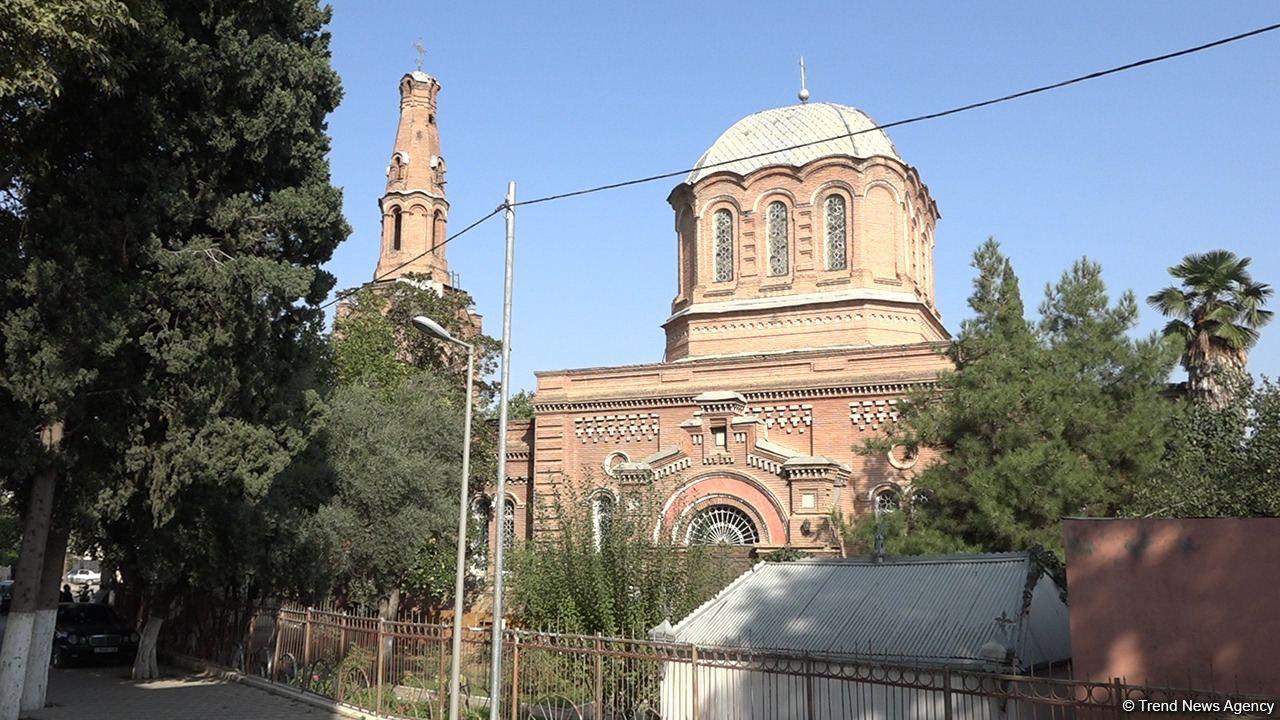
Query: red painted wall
x,y
1176,601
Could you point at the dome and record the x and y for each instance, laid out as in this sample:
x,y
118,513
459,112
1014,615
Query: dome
x,y
794,125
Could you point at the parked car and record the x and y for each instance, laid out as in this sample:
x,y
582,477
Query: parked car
x,y
84,576
87,631
6,595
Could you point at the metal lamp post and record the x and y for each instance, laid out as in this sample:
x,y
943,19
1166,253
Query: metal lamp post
x,y
430,327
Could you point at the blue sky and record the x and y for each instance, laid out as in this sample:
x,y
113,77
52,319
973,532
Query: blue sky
x,y
1134,170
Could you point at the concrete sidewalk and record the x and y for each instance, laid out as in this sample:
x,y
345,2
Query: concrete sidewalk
x,y
106,693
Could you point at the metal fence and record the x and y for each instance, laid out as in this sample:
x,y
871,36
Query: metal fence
x,y
400,669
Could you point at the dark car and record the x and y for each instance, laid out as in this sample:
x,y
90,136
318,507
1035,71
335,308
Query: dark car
x,y
6,595
87,631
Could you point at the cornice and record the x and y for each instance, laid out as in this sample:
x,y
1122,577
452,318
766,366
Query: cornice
x,y
887,387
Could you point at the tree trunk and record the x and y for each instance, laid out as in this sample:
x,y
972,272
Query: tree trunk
x,y
1217,380
26,586
144,665
387,610
37,683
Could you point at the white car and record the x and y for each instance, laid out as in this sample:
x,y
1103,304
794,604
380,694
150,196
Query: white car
x,y
84,576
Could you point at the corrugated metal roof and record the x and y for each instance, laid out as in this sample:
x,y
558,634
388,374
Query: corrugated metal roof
x,y
930,609
793,125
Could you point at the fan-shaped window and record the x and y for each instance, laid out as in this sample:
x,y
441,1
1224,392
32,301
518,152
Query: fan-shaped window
x,y
508,525
887,500
601,516
837,235
396,225
779,245
723,230
722,525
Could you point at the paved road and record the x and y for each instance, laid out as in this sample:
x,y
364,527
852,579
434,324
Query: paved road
x,y
106,693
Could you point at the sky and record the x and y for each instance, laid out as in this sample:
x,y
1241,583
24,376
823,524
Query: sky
x,y
1134,170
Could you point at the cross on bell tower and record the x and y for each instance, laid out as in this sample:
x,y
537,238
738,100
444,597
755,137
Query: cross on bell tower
x,y
414,207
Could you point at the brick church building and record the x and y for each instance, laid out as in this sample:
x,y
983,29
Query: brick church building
x,y
803,313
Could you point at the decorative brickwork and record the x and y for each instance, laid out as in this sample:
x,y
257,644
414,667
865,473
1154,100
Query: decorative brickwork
x,y
616,428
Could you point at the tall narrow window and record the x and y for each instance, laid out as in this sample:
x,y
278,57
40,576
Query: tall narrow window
x,y
437,232
601,516
779,247
837,235
723,227
508,525
395,228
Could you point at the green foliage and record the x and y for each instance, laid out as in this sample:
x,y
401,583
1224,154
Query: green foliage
x,y
1221,462
784,554
1038,422
1214,320
43,40
162,274
621,579
375,341
394,461
401,393
520,406
10,531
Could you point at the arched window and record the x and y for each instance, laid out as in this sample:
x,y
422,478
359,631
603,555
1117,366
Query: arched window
x,y
837,235
779,246
887,500
437,232
396,225
722,225
721,525
508,525
601,517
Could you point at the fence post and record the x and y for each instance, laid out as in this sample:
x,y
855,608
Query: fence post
x,y
275,652
693,672
381,661
599,647
515,676
808,688
946,694
441,692
1117,696
306,641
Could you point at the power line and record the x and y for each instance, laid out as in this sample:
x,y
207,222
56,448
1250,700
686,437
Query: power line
x,y
343,295
886,126
916,119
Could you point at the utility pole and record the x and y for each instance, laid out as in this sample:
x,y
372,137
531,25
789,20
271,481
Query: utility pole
x,y
500,498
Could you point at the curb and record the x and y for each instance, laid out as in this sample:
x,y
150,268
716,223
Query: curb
x,y
225,673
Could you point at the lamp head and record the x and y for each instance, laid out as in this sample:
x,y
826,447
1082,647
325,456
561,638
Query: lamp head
x,y
431,327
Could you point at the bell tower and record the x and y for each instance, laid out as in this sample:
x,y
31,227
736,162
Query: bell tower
x,y
414,209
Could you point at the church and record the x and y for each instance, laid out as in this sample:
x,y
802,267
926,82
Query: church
x,y
804,313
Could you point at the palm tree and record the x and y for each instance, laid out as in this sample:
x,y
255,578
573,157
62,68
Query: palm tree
x,y
1215,318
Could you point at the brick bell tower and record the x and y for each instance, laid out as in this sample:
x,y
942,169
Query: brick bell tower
x,y
414,209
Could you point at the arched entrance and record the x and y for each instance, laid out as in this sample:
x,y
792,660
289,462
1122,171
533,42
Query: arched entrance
x,y
724,509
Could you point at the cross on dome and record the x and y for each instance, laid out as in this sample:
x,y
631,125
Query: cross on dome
x,y
804,89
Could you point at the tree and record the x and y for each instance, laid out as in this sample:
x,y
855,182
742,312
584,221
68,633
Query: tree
x,y
1220,461
393,440
44,368
520,406
394,456
599,566
375,341
166,303
1037,422
1215,317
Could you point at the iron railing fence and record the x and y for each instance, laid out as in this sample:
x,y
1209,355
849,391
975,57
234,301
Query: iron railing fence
x,y
399,668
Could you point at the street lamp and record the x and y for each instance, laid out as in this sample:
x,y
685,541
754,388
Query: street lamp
x,y
432,328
